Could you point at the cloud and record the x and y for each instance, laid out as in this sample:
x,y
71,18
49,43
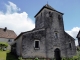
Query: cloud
x,y
11,7
73,32
19,22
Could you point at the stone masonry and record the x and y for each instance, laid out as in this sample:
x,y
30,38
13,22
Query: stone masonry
x,y
49,31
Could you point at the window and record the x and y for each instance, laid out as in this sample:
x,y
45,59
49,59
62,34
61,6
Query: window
x,y
59,17
50,14
9,40
36,44
56,35
70,45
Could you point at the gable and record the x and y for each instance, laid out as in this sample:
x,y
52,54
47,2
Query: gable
x,y
78,35
68,36
47,7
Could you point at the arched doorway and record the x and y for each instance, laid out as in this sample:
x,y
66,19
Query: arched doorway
x,y
57,54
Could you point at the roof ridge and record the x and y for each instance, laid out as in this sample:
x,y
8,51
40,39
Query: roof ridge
x,y
48,6
7,29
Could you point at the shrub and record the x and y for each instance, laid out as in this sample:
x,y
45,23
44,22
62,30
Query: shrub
x,y
36,58
3,46
75,57
20,58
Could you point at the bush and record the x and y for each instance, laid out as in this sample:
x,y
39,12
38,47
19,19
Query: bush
x,y
36,58
20,58
75,57
3,46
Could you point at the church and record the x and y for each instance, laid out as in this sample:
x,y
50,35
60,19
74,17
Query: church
x,y
48,39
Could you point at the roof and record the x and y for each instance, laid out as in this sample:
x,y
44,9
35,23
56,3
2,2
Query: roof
x,y
4,33
78,34
32,31
69,35
48,7
21,34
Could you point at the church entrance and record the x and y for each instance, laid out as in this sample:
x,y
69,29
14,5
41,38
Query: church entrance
x,y
57,54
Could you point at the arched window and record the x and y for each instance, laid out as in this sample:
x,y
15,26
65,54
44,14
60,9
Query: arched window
x,y
56,34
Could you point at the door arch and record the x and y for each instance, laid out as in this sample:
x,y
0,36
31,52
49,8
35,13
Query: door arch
x,y
57,54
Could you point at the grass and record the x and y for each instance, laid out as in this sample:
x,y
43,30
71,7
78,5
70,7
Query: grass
x,y
6,55
2,55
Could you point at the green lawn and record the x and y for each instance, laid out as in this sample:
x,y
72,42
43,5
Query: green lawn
x,y
5,55
2,55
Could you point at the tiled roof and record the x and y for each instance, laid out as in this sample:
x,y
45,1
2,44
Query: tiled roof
x,y
7,33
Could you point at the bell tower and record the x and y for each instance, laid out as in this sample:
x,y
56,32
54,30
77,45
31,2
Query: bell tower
x,y
48,17
52,21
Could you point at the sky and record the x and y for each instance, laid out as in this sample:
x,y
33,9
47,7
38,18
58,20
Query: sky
x,y
18,15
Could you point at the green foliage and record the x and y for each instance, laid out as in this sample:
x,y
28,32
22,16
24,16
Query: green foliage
x,y
36,58
78,48
63,58
75,57
20,58
3,45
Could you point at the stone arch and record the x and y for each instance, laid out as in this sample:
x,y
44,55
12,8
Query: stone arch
x,y
57,54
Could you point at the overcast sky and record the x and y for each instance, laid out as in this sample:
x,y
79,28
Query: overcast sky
x,y
19,15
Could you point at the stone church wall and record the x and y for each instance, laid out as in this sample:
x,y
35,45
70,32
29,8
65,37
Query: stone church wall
x,y
28,50
48,23
70,51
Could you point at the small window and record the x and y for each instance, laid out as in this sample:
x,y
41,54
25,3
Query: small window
x,y
70,45
59,17
9,40
50,14
56,35
36,44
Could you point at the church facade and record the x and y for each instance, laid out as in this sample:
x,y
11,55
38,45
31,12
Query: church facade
x,y
48,39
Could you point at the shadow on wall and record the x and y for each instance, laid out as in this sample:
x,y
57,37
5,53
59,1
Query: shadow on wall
x,y
10,56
